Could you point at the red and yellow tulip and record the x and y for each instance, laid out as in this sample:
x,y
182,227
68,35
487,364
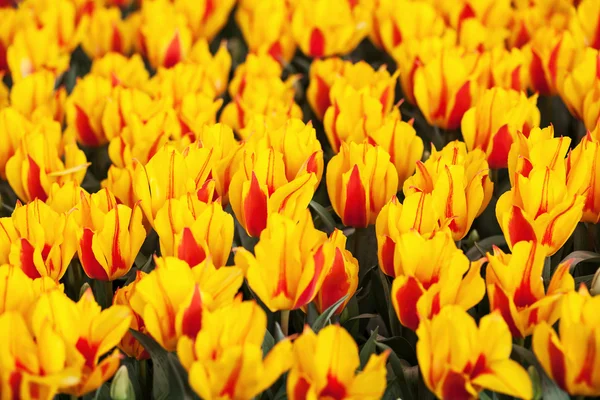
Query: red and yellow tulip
x,y
129,344
104,32
35,98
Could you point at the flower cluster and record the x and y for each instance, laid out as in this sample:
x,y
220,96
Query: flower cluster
x,y
318,199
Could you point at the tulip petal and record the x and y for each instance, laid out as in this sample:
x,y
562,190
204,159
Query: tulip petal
x,y
506,376
406,292
355,207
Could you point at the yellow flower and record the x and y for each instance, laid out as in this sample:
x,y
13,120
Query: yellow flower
x,y
225,358
509,69
112,235
458,182
183,79
493,122
459,359
37,164
128,344
35,97
324,366
205,18
360,181
13,125
103,31
287,270
587,11
516,289
121,71
587,152
193,231
217,66
571,360
63,198
330,27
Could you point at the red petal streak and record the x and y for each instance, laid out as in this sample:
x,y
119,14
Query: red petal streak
x,y
174,53
502,141
27,265
537,75
88,351
192,316
334,389
454,386
316,46
461,105
255,208
322,101
355,209
557,364
336,285
407,297
500,301
519,228
86,134
90,265
301,389
309,292
34,184
387,256
208,10
117,40
189,250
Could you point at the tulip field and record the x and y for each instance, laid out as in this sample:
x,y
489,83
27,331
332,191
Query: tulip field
x,y
299,199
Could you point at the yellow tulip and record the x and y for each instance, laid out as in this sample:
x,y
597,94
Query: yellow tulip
x,y
35,98
121,71
577,86
128,344
205,18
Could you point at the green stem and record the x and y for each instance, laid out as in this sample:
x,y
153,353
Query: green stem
x,y
285,321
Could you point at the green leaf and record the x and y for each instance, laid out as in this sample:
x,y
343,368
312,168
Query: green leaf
x,y
535,381
401,347
406,381
394,323
268,343
549,389
324,215
581,256
480,248
167,380
279,336
311,313
102,393
368,348
324,318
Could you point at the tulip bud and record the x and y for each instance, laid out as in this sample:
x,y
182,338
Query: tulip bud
x,y
35,97
13,125
129,344
584,180
360,180
587,10
121,387
205,18
121,71
509,69
104,32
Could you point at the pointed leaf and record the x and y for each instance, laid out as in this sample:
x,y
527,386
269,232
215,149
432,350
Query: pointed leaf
x,y
368,349
324,318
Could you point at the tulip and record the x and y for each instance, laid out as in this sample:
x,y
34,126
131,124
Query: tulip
x,y
458,182
324,28
577,85
165,38
262,68
63,199
35,98
33,366
541,207
353,115
130,345
7,31
104,31
46,241
16,289
401,142
89,333
8,234
205,19
112,236
571,360
120,182
296,141
484,361
528,147
217,66
444,90
85,108
509,69
591,106
121,71
197,110
433,273
410,21
342,278
172,298
325,365
552,55
225,358
516,288
322,74
586,182
260,188
34,49
37,164
192,231
266,28
288,250
360,180
13,126
492,123
587,10
58,22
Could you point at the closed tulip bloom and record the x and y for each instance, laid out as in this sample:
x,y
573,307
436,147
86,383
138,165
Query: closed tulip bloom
x,y
37,164
360,180
578,84
16,289
587,10
444,90
324,28
129,344
192,231
325,365
7,32
571,359
586,182
516,288
266,28
401,142
458,182
171,298
434,274
552,54
173,84
165,38
111,238
85,108
104,31
322,74
8,234
35,97
196,111
46,240
218,66
396,221
591,106
260,188
33,366
120,182
354,114
262,68
205,19
342,278
64,198
13,125
492,123
225,358
458,359
509,69
287,250
34,49
121,70
525,146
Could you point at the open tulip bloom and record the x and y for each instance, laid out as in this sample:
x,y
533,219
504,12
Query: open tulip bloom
x,y
302,199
